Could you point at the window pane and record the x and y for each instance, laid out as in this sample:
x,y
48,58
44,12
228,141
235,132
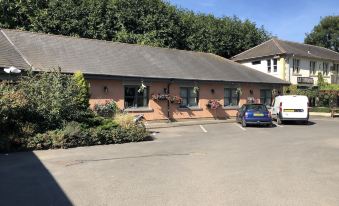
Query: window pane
x,y
227,92
226,102
234,93
234,101
130,91
183,92
192,94
193,101
184,102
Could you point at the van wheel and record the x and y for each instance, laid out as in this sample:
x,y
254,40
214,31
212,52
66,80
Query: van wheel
x,y
243,122
279,122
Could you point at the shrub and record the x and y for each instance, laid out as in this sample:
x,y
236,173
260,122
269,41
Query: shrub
x,y
125,120
83,87
130,134
320,109
53,98
109,109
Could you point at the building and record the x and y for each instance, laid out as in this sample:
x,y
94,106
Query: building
x,y
157,82
293,62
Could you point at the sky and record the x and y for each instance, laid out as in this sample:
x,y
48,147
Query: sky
x,y
286,19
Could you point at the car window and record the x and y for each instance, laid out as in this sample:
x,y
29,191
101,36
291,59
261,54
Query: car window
x,y
257,107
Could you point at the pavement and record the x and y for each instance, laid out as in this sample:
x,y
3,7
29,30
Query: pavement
x,y
213,164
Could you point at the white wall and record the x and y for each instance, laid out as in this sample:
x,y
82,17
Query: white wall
x,y
262,67
304,65
305,69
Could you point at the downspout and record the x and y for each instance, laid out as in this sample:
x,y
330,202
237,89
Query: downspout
x,y
168,102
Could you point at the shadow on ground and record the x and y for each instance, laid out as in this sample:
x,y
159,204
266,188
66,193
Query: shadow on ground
x,y
24,180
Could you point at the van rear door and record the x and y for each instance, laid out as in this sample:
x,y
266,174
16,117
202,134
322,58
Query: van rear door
x,y
295,107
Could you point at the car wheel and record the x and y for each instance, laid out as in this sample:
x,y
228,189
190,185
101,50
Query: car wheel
x,y
243,122
279,122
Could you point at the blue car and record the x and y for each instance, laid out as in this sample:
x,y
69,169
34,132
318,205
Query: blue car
x,y
254,114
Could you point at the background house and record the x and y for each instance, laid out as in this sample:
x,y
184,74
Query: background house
x,y
135,76
293,62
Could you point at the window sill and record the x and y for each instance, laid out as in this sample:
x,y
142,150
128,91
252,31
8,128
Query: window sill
x,y
230,107
299,75
190,108
139,109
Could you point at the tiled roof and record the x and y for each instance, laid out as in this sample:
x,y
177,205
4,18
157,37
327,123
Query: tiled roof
x,y
45,52
276,46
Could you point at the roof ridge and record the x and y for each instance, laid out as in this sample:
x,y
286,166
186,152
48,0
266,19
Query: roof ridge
x,y
16,48
265,42
320,47
278,45
96,40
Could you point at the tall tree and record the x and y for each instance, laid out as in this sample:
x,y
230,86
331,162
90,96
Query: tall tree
x,y
325,34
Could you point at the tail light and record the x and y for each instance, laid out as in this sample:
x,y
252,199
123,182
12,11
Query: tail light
x,y
269,114
246,114
280,107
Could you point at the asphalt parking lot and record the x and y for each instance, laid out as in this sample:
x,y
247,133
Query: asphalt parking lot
x,y
215,164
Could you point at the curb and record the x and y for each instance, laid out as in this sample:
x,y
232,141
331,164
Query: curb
x,y
188,123
321,114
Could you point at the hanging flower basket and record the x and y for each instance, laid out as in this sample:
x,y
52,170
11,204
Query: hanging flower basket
x,y
160,97
175,99
213,104
239,91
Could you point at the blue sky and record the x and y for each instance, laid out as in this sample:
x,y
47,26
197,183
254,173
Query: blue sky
x,y
287,19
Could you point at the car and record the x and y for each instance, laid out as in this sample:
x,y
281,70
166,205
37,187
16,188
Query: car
x,y
290,107
254,114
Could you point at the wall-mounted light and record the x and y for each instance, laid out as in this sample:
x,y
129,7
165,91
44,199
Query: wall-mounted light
x,y
165,90
212,91
105,89
251,92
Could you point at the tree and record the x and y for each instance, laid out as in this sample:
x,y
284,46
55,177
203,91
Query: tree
x,y
325,34
146,22
83,87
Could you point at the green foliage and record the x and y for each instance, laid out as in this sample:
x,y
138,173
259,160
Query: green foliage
x,y
109,109
325,34
321,80
75,134
83,87
320,109
52,98
146,22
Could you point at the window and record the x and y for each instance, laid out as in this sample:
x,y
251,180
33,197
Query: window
x,y
325,68
256,62
296,68
275,65
231,97
268,65
133,98
312,68
336,68
189,98
266,96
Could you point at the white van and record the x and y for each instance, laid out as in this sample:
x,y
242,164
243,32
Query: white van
x,y
290,107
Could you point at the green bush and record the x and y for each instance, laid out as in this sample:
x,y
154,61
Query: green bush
x,y
75,134
320,109
109,109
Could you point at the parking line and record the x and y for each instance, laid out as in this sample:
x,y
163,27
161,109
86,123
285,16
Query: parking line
x,y
202,128
277,125
236,124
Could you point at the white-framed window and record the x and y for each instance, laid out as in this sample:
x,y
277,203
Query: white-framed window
x,y
325,69
231,97
189,97
296,66
312,68
275,65
269,69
